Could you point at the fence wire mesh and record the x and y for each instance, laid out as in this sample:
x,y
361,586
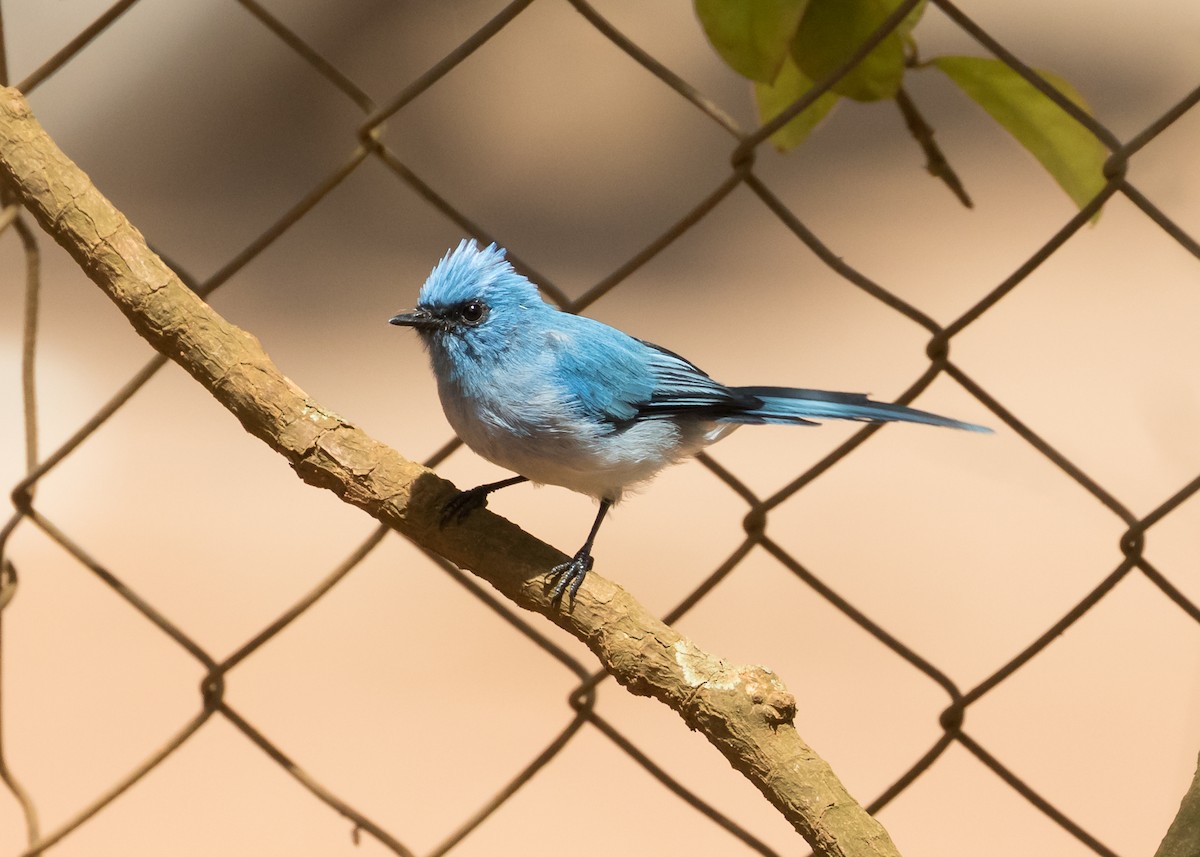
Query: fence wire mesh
x,y
373,143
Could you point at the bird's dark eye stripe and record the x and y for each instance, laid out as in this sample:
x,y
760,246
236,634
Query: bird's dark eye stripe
x,y
473,311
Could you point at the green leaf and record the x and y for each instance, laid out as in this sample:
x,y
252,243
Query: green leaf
x,y
1072,155
752,36
832,30
773,100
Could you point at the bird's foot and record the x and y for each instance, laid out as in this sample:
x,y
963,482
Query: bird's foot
x,y
462,504
567,577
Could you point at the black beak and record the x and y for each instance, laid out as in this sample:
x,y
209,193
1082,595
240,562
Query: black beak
x,y
420,318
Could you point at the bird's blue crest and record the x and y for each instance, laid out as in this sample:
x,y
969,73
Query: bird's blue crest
x,y
470,272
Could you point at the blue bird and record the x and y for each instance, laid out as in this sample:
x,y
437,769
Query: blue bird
x,y
561,399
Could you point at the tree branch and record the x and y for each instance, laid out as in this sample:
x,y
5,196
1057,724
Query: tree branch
x,y
1183,836
744,711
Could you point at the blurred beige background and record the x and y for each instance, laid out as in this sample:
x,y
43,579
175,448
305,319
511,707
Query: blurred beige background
x,y
404,694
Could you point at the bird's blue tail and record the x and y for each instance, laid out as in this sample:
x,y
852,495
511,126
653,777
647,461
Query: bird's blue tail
x,y
789,406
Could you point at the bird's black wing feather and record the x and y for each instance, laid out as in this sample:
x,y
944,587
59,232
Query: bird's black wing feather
x,y
681,387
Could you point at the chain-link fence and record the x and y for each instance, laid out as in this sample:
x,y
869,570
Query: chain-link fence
x,y
389,137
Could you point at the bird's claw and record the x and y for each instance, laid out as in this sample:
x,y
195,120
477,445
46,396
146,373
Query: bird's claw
x,y
462,504
567,577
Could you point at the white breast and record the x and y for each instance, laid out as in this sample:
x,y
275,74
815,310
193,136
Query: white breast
x,y
601,461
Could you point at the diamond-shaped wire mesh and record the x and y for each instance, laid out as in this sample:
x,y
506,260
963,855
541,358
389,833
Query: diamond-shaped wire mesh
x,y
993,640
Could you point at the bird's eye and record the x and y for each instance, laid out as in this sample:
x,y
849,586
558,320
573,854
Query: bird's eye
x,y
473,312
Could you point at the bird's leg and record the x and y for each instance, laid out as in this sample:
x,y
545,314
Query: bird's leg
x,y
465,502
568,576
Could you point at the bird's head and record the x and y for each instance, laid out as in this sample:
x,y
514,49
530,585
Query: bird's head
x,y
473,305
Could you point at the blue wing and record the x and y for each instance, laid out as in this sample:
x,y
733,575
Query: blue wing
x,y
681,387
619,379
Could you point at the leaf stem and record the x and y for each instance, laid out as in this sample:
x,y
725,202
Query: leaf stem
x,y
935,158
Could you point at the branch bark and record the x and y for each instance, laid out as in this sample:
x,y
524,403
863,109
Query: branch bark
x,y
1183,836
744,711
